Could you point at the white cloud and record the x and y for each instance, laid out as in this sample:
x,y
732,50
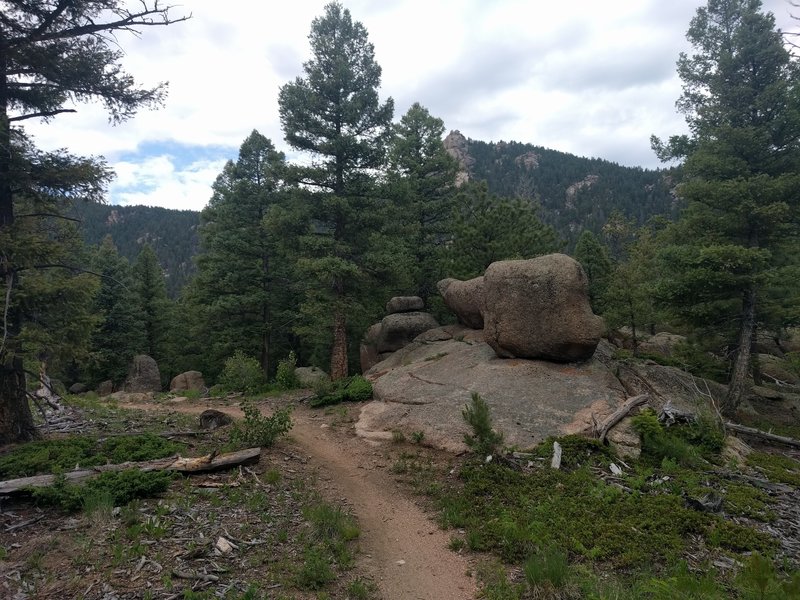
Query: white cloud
x,y
582,76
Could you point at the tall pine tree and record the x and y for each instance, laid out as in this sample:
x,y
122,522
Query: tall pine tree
x,y
741,98
421,184
241,281
333,113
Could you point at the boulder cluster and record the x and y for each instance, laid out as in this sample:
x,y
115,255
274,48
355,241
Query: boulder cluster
x,y
404,321
537,308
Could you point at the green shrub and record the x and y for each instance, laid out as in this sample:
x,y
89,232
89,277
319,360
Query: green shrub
x,y
285,376
549,566
118,487
259,430
349,389
659,443
243,373
484,440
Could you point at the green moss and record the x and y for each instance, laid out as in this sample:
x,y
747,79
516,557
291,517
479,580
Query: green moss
x,y
732,536
777,468
748,501
350,389
577,451
49,456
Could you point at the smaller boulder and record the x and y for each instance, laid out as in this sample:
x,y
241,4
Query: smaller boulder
x,y
190,380
214,419
368,350
78,388
777,369
465,299
400,329
104,388
310,376
662,344
402,304
143,375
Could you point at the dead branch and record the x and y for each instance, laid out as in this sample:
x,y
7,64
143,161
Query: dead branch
x,y
190,466
763,435
555,462
620,414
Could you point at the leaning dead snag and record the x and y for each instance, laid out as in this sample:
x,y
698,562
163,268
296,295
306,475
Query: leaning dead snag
x,y
200,464
619,414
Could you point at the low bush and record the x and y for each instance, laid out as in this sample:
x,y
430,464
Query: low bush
x,y
259,430
285,377
349,389
243,373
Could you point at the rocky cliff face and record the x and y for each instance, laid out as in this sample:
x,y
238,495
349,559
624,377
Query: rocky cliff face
x,y
458,147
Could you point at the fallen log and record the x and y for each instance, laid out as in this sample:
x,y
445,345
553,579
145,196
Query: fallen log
x,y
764,435
619,414
200,464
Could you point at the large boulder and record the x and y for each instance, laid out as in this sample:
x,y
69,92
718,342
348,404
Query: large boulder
x,y
78,388
465,299
539,308
401,304
143,375
310,376
400,329
104,388
425,386
368,351
777,369
190,380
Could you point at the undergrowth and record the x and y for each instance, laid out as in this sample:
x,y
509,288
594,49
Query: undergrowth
x,y
48,456
259,430
349,389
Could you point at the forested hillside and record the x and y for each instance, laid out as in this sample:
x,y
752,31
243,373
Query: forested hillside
x,y
171,233
575,193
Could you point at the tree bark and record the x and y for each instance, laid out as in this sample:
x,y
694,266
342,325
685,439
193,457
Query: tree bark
x,y
16,421
738,384
339,350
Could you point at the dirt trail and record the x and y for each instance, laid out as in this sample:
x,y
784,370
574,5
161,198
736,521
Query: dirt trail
x,y
404,552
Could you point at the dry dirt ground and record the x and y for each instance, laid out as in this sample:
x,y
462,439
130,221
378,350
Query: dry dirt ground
x,y
402,552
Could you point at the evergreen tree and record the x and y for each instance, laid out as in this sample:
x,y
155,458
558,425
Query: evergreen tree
x,y
593,256
742,165
241,282
119,334
488,229
154,306
333,113
422,185
52,53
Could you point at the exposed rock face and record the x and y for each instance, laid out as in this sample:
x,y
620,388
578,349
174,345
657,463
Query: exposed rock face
x,y
572,191
401,304
190,380
662,343
214,419
368,351
143,375
539,308
400,329
310,376
774,368
457,146
529,160
104,388
424,387
78,388
465,299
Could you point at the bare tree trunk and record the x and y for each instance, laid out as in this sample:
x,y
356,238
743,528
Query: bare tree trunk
x,y
16,421
738,384
339,351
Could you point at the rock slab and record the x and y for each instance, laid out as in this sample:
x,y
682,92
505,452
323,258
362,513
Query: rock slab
x,y
539,309
401,304
143,375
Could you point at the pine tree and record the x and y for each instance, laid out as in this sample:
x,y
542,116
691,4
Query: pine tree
x,y
241,282
155,308
119,334
421,183
593,256
52,53
487,229
742,165
333,113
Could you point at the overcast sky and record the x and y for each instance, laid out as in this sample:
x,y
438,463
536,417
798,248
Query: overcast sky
x,y
582,76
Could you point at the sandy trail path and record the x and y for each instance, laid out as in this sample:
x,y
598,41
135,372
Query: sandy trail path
x,y
403,551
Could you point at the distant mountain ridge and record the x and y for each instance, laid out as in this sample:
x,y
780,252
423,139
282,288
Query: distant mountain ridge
x,y
172,234
574,193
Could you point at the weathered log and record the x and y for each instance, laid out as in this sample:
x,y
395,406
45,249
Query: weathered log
x,y
201,464
619,414
764,435
555,462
